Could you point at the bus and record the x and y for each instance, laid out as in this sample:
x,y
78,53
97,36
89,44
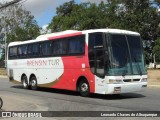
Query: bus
x,y
102,61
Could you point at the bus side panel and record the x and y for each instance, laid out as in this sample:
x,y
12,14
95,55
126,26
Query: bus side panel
x,y
75,67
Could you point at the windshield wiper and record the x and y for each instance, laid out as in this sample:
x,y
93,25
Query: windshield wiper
x,y
138,67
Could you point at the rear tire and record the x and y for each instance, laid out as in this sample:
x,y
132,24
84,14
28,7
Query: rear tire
x,y
33,83
25,82
84,88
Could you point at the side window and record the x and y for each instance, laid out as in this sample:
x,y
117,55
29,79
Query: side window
x,y
33,50
24,51
76,45
20,51
45,49
29,50
12,52
60,47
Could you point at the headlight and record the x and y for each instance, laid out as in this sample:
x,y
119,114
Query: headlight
x,y
144,80
111,81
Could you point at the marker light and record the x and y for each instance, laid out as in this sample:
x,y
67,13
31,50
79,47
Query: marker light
x,y
144,80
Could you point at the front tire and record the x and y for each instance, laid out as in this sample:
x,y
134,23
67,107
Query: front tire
x,y
84,88
33,83
25,82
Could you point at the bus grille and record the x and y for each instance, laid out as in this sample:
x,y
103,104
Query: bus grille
x,y
131,80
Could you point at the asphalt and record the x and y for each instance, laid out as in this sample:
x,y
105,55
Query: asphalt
x,y
19,99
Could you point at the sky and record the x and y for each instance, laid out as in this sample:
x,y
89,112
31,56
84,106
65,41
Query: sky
x,y
44,10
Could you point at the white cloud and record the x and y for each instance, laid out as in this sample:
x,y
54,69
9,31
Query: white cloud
x,y
45,30
38,7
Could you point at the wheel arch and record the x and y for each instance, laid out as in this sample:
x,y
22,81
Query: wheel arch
x,y
23,75
31,76
79,80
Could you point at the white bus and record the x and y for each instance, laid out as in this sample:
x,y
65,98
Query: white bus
x,y
103,61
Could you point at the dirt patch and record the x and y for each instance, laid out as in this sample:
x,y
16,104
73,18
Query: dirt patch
x,y
154,76
3,71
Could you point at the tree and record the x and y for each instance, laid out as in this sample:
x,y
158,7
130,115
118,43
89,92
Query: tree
x,y
143,17
17,24
79,16
139,15
156,49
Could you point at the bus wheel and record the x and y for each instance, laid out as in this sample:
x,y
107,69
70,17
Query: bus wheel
x,y
25,82
33,83
84,88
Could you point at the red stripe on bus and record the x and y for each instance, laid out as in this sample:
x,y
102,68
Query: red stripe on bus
x,y
66,35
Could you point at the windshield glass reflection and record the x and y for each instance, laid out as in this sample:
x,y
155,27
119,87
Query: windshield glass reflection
x,y
125,58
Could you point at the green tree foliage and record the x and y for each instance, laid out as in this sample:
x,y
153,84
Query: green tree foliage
x,y
139,15
84,16
156,49
17,24
20,26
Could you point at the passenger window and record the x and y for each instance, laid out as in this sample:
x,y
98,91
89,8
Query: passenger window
x,y
33,50
60,47
76,45
24,50
29,50
46,49
20,51
12,52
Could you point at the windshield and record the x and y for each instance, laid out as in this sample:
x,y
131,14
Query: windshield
x,y
125,55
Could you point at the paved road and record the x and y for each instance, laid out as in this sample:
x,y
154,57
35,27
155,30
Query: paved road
x,y
17,98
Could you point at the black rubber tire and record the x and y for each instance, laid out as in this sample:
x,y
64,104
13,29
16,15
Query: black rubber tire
x,y
1,102
25,82
33,83
84,88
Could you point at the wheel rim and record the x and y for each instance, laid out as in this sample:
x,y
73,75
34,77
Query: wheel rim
x,y
84,87
33,83
25,83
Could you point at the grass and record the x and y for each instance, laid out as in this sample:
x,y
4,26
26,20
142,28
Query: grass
x,y
158,78
3,71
